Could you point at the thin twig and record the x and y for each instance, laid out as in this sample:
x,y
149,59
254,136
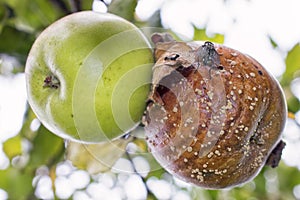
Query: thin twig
x,y
106,4
76,5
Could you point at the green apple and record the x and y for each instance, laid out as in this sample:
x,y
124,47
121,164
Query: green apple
x,y
88,76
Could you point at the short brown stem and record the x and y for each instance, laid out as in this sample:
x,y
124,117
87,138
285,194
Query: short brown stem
x,y
275,155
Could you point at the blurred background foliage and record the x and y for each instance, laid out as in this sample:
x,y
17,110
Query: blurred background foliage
x,y
39,162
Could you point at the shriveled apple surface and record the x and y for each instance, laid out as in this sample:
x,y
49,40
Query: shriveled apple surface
x,y
214,114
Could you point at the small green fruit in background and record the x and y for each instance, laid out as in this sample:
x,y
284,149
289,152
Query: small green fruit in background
x,y
88,76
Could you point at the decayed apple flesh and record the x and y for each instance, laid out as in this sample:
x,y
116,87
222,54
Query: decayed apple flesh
x,y
213,124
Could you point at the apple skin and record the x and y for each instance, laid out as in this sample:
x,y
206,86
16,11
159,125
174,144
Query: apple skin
x,y
88,76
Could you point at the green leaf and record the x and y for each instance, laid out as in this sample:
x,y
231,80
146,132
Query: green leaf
x,y
16,183
260,185
213,193
2,12
200,34
123,8
35,14
12,147
15,42
274,44
141,144
293,104
5,14
292,71
48,149
99,157
156,173
292,62
288,176
87,4
151,196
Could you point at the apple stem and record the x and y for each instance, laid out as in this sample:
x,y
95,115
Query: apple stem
x,y
52,82
275,156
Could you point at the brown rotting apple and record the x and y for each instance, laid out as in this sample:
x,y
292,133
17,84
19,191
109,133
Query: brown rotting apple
x,y
214,114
